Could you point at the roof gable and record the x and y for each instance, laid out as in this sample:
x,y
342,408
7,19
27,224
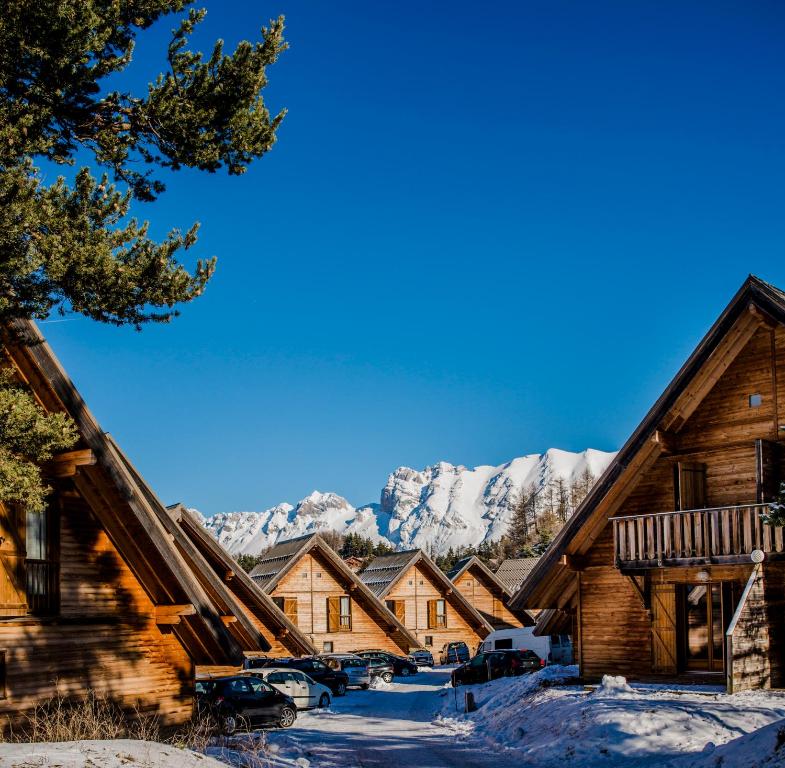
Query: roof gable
x,y
756,304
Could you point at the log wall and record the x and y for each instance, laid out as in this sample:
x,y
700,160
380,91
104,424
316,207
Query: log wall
x,y
486,601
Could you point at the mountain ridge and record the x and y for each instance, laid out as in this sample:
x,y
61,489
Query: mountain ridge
x,y
443,505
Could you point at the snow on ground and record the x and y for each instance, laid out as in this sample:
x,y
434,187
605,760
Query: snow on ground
x,y
547,725
117,753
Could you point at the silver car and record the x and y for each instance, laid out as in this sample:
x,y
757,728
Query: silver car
x,y
354,666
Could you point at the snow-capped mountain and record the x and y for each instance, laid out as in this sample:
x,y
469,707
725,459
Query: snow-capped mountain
x,y
439,507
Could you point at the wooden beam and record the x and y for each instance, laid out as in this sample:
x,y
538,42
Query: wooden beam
x,y
227,620
66,464
229,575
573,562
171,614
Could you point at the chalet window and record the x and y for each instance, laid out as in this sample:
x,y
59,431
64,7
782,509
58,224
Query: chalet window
x,y
398,607
756,401
690,485
437,614
289,606
42,572
339,614
3,693
429,641
327,646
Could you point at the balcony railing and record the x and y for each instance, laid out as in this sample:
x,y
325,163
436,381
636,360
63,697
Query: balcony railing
x,y
693,537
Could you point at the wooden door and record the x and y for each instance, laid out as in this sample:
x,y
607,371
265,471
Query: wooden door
x,y
663,628
768,456
13,586
690,485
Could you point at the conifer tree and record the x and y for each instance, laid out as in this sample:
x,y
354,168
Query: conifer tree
x,y
69,245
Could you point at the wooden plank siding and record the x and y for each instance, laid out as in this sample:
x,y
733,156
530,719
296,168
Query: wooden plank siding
x,y
415,588
311,582
489,602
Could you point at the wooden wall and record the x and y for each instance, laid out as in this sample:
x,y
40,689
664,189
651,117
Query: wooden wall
x,y
485,600
104,638
415,588
311,581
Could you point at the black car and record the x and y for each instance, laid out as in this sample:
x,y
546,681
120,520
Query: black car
x,y
492,665
244,701
422,657
401,665
336,680
380,668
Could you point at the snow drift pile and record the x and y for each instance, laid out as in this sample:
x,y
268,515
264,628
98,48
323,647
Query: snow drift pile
x,y
617,723
440,506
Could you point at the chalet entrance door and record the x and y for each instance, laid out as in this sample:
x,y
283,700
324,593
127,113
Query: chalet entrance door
x,y
703,627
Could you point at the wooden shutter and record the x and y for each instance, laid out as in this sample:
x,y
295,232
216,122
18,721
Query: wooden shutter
x,y
290,608
400,611
431,614
663,628
690,486
333,614
13,587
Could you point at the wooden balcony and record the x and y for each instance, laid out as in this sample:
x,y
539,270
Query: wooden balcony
x,y
694,537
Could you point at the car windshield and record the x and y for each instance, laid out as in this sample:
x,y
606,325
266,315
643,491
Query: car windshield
x,y
259,686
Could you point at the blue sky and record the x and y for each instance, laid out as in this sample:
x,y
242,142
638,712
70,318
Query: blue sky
x,y
484,231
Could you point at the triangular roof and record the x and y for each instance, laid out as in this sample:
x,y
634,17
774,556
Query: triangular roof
x,y
384,572
238,581
281,558
478,568
125,506
756,304
515,570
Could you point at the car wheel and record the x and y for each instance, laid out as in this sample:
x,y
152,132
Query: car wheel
x,y
324,701
387,677
405,672
287,717
341,689
229,724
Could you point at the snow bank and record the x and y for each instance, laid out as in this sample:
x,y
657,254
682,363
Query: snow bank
x,y
548,724
116,753
380,685
764,748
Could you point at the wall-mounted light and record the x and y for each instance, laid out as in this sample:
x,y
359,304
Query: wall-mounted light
x,y
702,575
757,555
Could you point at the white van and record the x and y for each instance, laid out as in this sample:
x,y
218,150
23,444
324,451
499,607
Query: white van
x,y
554,649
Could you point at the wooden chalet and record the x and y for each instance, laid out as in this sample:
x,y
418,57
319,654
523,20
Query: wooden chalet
x,y
100,592
280,632
326,600
425,600
487,594
666,570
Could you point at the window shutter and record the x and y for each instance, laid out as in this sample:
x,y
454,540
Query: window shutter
x,y
290,609
13,586
400,611
333,614
431,614
663,628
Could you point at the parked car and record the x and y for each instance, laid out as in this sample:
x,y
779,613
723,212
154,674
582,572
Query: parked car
x,y
305,691
244,701
378,667
454,653
422,657
356,667
400,664
556,649
336,680
492,665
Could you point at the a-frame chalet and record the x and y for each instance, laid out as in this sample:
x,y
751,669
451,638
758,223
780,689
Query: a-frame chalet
x,y
666,570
